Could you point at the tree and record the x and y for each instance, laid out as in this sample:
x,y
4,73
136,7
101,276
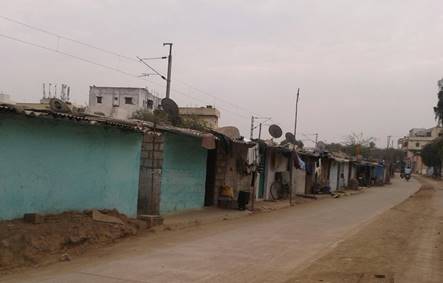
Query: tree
x,y
431,155
359,139
438,110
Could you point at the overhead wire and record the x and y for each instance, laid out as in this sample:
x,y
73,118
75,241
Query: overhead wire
x,y
119,55
135,76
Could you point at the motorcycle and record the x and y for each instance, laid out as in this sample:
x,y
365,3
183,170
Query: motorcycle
x,y
407,177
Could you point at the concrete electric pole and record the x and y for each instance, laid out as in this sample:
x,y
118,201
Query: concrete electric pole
x,y
168,78
296,113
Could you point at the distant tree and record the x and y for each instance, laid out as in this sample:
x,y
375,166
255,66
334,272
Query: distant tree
x,y
358,144
432,155
438,110
359,139
299,144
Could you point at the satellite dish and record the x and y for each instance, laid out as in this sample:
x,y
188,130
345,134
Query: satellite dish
x,y
275,131
169,106
58,105
290,137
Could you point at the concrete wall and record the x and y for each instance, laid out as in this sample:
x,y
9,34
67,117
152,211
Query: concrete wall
x,y
345,171
227,173
50,166
275,162
184,174
299,181
151,165
333,175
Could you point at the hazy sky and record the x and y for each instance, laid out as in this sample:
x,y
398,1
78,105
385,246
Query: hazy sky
x,y
366,66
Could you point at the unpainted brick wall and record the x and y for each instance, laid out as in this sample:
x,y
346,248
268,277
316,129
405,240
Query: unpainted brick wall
x,y
150,174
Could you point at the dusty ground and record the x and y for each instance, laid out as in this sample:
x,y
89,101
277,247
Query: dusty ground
x,y
402,245
265,247
59,238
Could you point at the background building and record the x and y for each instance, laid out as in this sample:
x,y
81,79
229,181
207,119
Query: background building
x,y
414,143
120,102
5,98
206,115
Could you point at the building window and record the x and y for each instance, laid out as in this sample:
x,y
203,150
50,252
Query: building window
x,y
128,100
99,99
115,102
150,104
417,144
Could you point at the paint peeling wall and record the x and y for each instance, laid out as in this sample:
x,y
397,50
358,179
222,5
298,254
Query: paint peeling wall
x,y
50,166
184,174
275,162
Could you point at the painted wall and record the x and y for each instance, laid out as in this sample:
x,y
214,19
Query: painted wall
x,y
275,162
50,166
333,175
299,181
184,174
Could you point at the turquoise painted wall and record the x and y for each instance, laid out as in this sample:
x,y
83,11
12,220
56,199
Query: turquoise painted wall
x,y
50,166
184,174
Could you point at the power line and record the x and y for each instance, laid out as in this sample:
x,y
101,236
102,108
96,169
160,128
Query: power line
x,y
106,67
119,55
68,38
66,54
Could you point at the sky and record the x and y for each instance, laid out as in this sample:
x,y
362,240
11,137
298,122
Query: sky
x,y
367,66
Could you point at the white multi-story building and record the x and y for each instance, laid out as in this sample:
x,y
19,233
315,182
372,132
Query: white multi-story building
x,y
414,143
5,98
121,102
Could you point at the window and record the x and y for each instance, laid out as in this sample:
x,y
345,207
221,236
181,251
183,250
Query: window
x,y
150,104
115,101
128,100
99,99
417,144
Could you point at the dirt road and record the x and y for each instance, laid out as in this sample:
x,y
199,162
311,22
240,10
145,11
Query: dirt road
x,y
402,245
263,248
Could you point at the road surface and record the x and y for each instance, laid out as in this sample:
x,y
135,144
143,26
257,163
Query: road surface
x,y
403,245
260,248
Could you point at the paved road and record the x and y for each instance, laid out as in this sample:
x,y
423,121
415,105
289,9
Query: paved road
x,y
263,248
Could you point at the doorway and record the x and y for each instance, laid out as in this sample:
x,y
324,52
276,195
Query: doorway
x,y
211,168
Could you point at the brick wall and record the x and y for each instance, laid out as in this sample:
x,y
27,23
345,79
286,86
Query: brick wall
x,y
150,173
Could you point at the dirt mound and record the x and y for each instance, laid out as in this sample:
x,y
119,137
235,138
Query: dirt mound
x,y
60,237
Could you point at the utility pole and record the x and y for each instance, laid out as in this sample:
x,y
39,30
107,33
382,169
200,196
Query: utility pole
x,y
252,128
259,131
296,113
168,78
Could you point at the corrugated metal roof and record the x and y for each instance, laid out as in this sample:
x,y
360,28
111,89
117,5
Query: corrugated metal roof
x,y
81,118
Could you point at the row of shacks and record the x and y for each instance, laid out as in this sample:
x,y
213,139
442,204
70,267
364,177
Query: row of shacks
x,y
52,162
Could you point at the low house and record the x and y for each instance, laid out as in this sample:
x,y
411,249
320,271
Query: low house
x,y
312,167
282,172
172,170
367,173
52,162
235,171
340,172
